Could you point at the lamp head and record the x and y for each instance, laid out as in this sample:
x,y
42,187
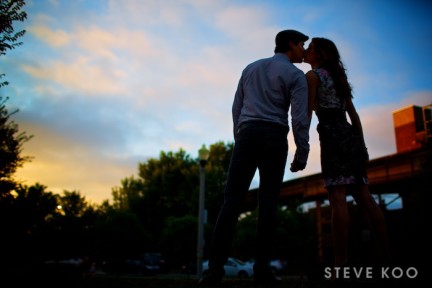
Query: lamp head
x,y
203,154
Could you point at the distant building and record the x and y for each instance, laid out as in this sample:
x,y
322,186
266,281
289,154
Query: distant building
x,y
413,127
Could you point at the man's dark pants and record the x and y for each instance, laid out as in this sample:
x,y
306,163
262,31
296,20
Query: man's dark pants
x,y
259,145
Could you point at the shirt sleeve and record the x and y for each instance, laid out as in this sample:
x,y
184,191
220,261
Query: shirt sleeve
x,y
299,118
237,106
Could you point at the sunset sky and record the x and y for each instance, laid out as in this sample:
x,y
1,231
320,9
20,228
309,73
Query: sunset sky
x,y
104,85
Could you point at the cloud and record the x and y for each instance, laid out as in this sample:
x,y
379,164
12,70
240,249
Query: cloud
x,y
116,82
56,39
80,76
63,163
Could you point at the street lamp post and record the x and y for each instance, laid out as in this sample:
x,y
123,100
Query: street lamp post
x,y
203,157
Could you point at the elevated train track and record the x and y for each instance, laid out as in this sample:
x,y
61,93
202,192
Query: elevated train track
x,y
393,174
407,173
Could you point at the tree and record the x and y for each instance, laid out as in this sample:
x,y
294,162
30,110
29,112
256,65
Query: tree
x,y
73,204
23,224
292,241
10,11
216,175
129,194
178,242
120,235
11,140
166,191
169,189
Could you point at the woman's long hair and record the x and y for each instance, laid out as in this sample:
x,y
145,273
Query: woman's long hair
x,y
331,61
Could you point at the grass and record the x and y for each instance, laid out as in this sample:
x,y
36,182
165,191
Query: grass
x,y
172,281
183,282
61,279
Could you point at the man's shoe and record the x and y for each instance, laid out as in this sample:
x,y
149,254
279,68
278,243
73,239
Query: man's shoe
x,y
211,279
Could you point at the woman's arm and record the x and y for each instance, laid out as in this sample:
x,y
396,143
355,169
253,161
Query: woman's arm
x,y
357,126
313,82
355,119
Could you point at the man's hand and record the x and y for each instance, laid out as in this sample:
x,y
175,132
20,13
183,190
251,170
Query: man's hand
x,y
295,166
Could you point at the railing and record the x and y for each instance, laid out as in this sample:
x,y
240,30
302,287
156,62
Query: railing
x,y
396,167
385,171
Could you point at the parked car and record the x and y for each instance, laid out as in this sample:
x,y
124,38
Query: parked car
x,y
71,267
156,260
234,268
147,264
277,265
142,267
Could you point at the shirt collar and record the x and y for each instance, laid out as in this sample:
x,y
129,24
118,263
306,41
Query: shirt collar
x,y
282,56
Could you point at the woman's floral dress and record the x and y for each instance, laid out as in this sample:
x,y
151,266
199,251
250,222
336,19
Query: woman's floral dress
x,y
342,153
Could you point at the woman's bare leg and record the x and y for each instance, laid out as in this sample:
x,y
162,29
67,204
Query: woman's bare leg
x,y
376,221
340,224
